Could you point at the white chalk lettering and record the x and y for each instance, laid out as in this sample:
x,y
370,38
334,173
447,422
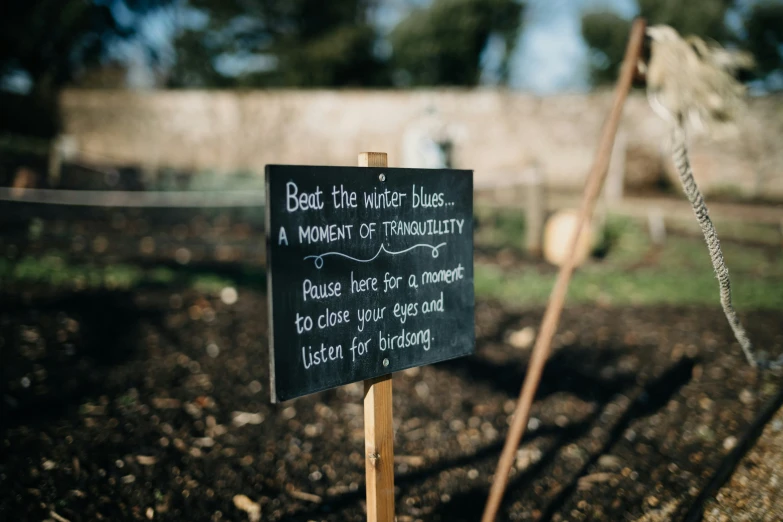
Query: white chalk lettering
x,y
366,230
363,285
386,199
342,198
402,312
436,305
359,348
330,318
428,227
425,200
316,357
404,340
443,276
324,233
369,315
320,291
390,282
303,323
304,201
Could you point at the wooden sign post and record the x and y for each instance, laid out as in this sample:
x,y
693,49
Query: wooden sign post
x,y
369,272
378,425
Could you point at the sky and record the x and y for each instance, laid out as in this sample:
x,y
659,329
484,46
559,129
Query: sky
x,y
550,55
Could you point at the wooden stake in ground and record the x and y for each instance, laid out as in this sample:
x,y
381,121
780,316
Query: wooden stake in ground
x,y
551,318
535,210
378,432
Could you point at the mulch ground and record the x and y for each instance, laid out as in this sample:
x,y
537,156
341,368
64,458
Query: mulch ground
x,y
154,405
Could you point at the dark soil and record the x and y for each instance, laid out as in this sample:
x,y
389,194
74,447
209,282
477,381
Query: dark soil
x,y
123,406
153,403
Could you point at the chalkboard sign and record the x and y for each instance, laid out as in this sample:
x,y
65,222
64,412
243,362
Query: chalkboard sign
x,y
370,271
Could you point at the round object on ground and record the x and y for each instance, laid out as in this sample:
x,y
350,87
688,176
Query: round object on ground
x,y
558,234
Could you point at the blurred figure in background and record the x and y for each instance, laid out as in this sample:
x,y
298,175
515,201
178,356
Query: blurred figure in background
x,y
427,142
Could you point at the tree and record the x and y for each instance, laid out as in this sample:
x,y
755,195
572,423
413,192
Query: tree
x,y
764,27
607,34
50,40
47,42
292,43
705,18
442,44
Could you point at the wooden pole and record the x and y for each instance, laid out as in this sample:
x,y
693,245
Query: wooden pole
x,y
551,318
535,211
615,177
55,165
378,431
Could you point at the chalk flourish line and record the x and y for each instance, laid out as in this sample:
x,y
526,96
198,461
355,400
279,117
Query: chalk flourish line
x,y
319,259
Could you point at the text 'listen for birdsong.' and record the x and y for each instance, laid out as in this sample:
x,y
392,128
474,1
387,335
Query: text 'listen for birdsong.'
x,y
381,328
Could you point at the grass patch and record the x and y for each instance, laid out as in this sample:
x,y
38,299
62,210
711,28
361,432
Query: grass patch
x,y
210,283
629,271
54,271
631,274
498,228
638,288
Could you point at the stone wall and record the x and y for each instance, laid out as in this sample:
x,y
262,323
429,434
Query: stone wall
x,y
496,133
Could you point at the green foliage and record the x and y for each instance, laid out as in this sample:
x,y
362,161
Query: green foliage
x,y
194,64
630,274
765,35
607,34
441,45
499,228
310,43
52,39
54,270
705,18
210,283
304,43
638,288
340,57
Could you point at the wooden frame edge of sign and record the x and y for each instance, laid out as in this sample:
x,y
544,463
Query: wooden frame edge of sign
x,y
378,426
267,220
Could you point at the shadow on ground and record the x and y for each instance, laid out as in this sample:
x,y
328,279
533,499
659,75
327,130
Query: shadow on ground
x,y
470,505
57,351
572,370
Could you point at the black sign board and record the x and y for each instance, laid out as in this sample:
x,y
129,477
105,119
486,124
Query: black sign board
x,y
370,271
